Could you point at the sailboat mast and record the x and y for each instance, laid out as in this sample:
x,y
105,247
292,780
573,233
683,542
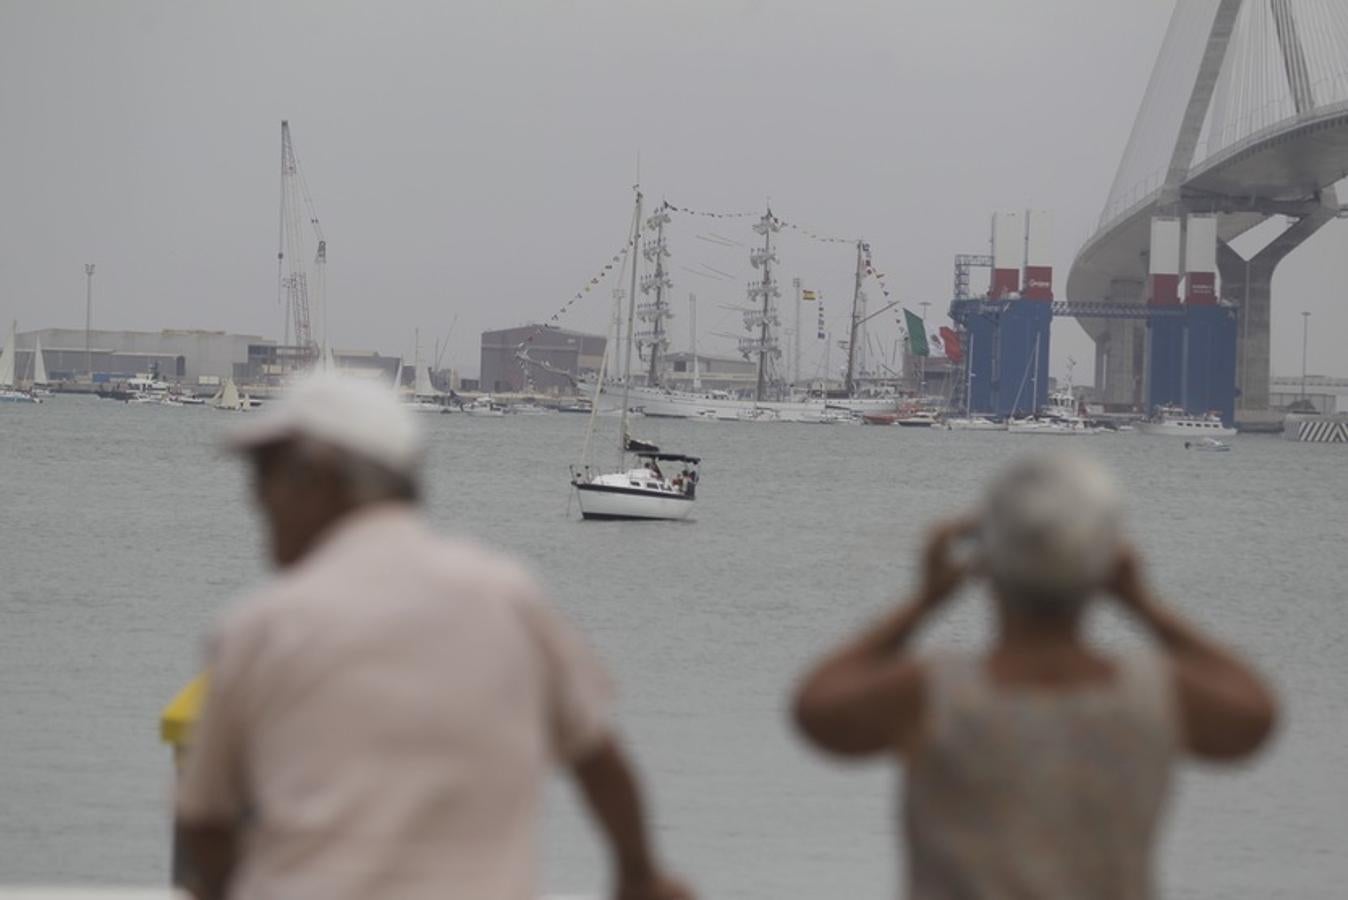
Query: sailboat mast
x,y
795,353
762,314
850,384
969,377
692,338
631,316
1034,398
763,328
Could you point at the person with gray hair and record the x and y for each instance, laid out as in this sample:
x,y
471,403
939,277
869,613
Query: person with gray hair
x,y
1039,767
380,718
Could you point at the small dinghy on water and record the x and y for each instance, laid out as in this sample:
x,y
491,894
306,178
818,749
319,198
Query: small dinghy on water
x,y
643,490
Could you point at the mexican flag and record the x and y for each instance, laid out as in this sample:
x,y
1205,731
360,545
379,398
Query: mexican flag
x,y
917,335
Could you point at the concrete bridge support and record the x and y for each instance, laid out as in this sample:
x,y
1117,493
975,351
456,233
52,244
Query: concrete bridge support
x,y
1120,348
1248,283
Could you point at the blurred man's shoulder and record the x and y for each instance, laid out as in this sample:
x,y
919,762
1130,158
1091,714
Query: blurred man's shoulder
x,y
257,610
468,560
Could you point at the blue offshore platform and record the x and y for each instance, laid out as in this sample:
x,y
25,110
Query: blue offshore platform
x,y
1190,347
1190,353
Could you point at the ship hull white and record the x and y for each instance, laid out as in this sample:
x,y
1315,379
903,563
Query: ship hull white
x,y
1051,429
1186,429
680,405
599,501
974,425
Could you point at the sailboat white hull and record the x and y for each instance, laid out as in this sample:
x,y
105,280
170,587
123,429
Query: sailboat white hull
x,y
8,396
602,501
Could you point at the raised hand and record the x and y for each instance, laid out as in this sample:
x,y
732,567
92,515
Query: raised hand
x,y
942,571
1127,583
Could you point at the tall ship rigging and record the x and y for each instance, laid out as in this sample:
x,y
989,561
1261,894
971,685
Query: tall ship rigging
x,y
772,396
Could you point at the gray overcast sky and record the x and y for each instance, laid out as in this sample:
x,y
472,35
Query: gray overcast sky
x,y
475,158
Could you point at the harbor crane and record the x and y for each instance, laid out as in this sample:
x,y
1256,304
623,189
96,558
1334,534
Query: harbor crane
x,y
292,278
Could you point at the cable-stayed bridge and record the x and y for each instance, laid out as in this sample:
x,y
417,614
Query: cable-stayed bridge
x,y
1245,119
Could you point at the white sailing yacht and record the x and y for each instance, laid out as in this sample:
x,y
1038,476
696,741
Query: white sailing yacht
x,y
424,398
643,490
9,385
229,398
40,379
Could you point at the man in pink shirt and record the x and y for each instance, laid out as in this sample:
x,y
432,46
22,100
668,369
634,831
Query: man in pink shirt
x,y
380,719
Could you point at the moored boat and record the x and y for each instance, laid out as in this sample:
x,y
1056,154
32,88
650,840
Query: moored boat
x,y
9,389
1172,421
485,407
643,491
972,423
916,418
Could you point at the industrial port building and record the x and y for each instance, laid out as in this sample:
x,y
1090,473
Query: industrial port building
x,y
558,356
191,357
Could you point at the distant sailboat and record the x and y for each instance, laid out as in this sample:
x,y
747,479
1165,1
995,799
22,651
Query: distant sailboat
x,y
39,364
9,388
425,398
229,398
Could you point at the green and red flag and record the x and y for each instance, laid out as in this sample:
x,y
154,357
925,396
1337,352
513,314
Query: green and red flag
x,y
917,335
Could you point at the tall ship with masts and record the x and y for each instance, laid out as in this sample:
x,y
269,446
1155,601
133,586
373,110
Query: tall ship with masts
x,y
772,398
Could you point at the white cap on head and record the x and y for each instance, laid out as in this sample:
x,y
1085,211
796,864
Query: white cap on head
x,y
1052,526
356,415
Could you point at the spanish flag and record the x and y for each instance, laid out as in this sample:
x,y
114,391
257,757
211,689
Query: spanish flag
x,y
808,295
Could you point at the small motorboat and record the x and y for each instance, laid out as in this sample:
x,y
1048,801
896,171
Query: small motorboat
x,y
758,414
528,409
917,418
1212,445
879,418
485,407
973,423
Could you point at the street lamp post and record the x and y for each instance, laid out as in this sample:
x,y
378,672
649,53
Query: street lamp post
x,y
88,318
922,360
1305,331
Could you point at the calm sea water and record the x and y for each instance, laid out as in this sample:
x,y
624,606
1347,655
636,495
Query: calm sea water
x,y
124,532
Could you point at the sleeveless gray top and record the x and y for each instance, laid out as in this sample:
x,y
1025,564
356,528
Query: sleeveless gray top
x,y
1032,793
